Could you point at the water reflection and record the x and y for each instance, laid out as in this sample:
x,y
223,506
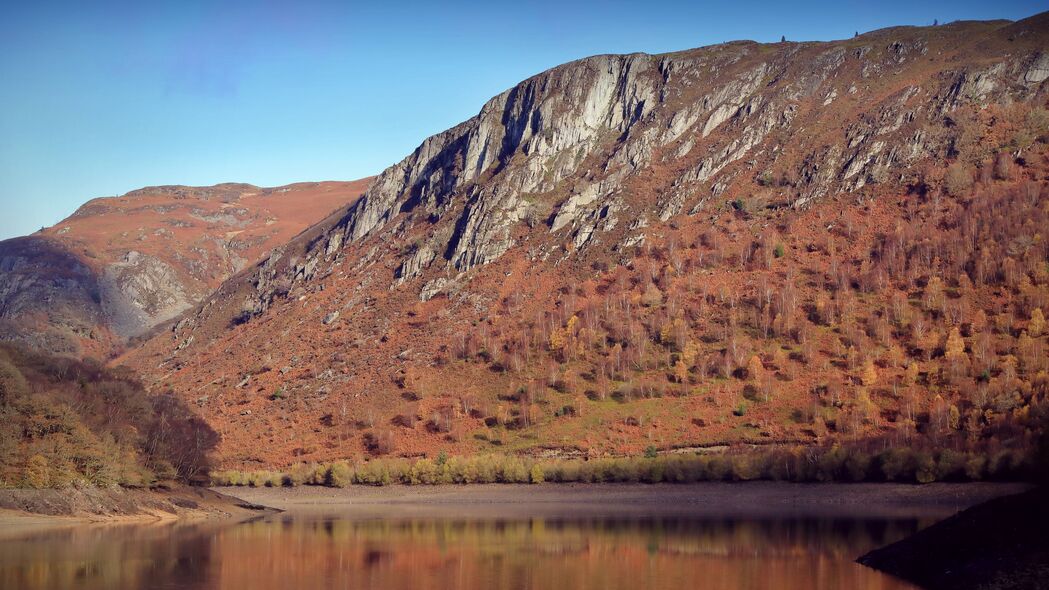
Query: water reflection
x,y
327,551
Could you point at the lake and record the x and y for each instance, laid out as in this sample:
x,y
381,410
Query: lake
x,y
315,551
425,543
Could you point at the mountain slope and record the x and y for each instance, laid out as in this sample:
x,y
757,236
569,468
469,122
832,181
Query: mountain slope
x,y
589,265
120,265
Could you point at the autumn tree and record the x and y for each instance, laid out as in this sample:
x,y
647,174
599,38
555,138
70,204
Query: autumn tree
x,y
1037,323
681,372
912,373
1003,166
869,375
958,180
954,352
933,297
755,370
12,382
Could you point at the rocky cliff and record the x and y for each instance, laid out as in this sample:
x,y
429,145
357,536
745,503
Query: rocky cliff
x,y
612,142
529,207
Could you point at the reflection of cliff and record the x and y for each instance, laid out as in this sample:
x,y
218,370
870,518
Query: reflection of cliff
x,y
288,551
553,553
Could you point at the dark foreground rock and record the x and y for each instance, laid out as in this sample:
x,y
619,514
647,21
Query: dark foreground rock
x,y
1002,543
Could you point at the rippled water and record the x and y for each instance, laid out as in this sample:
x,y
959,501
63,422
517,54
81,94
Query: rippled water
x,y
315,550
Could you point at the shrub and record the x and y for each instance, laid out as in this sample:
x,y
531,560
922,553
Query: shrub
x,y
925,468
958,181
975,467
535,475
800,464
1003,166
857,466
513,470
339,475
951,465
424,471
37,472
12,382
652,471
897,464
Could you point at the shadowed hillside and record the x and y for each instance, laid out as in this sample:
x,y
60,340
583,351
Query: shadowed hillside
x,y
121,265
65,423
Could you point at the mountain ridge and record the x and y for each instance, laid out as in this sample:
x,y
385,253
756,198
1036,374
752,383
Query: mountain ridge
x,y
434,312
119,266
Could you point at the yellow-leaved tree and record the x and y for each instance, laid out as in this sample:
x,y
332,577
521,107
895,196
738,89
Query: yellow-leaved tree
x,y
755,369
1037,324
869,375
954,350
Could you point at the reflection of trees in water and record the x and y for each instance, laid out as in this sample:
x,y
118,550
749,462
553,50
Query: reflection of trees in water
x,y
718,536
463,553
110,556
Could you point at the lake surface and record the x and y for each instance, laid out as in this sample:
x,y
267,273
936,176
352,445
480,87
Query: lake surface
x,y
318,549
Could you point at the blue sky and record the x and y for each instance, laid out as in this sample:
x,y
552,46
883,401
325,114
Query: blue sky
x,y
99,98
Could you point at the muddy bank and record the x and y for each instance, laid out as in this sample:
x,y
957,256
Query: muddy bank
x,y
30,508
751,499
1002,543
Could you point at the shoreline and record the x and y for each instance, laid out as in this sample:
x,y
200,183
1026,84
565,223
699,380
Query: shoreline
x,y
29,510
1000,543
706,499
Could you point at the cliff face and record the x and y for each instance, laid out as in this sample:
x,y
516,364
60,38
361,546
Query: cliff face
x,y
563,177
594,150
119,266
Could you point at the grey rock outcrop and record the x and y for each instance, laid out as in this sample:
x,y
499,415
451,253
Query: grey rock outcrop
x,y
614,137
141,291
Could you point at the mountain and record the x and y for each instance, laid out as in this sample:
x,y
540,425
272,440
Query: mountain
x,y
121,265
743,243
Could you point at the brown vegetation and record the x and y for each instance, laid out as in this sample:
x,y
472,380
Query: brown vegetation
x,y
902,313
70,423
797,464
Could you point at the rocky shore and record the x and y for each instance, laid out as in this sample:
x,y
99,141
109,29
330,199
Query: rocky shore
x,y
1001,543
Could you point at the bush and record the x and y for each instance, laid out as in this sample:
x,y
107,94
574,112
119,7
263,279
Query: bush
x,y
799,464
513,471
958,181
925,468
951,465
339,475
975,467
1003,166
37,472
424,471
897,464
535,475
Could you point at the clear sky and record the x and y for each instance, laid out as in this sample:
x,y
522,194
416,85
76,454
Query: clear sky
x,y
98,98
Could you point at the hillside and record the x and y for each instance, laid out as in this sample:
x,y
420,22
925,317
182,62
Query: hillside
x,y
121,265
743,243
65,422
